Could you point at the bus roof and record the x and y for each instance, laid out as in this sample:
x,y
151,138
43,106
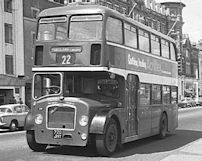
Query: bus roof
x,y
92,9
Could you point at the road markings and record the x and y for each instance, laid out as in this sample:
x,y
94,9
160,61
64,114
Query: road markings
x,y
10,133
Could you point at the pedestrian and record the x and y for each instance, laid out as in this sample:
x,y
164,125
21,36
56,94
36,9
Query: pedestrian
x,y
20,101
13,101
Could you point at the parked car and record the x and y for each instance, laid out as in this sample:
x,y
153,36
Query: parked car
x,y
12,116
199,101
187,102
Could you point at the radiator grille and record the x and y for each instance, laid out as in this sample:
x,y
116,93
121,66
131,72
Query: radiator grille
x,y
61,117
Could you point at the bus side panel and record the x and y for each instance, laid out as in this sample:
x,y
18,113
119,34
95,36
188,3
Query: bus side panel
x,y
29,121
144,121
116,55
172,118
156,111
99,122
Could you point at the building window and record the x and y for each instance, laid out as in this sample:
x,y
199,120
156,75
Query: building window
x,y
33,38
34,12
9,64
8,33
8,6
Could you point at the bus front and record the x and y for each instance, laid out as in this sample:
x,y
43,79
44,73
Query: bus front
x,y
71,82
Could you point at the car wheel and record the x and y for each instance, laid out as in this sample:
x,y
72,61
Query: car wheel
x,y
106,144
13,126
32,142
163,126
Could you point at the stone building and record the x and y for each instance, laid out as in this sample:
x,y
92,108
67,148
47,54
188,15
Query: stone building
x,y
191,68
17,27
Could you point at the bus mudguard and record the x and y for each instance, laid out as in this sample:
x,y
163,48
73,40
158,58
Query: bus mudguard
x,y
29,122
99,121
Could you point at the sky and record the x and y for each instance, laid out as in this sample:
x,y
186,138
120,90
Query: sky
x,y
192,17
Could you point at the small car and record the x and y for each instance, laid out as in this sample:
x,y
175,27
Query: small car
x,y
12,116
187,102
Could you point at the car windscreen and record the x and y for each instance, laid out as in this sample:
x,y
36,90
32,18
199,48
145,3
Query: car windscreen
x,y
5,110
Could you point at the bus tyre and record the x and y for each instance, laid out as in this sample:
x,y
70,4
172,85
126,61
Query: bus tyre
x,y
32,142
106,143
163,126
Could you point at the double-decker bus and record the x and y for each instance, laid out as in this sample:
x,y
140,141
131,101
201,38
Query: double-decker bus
x,y
100,78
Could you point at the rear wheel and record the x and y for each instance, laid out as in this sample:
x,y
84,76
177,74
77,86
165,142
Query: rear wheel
x,y
163,126
32,142
106,143
13,125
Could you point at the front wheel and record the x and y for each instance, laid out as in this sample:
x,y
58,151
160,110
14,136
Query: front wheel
x,y
32,142
163,126
106,143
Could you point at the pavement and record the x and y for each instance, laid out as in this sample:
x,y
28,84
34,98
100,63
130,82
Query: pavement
x,y
189,152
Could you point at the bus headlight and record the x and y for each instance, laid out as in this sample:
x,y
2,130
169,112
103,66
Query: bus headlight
x,y
83,136
83,121
39,119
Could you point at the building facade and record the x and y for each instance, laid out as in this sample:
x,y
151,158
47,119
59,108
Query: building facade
x,y
199,46
175,24
12,84
191,68
31,9
18,26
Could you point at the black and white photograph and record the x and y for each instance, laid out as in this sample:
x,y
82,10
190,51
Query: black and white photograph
x,y
100,80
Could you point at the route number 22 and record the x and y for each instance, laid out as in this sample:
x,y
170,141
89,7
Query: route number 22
x,y
66,59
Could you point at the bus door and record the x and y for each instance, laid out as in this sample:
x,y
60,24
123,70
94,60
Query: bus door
x,y
133,86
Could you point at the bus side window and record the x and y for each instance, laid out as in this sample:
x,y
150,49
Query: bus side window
x,y
155,45
145,94
88,86
172,52
156,94
164,48
130,36
174,95
114,34
144,40
166,94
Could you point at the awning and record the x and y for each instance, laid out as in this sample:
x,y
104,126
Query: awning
x,y
6,80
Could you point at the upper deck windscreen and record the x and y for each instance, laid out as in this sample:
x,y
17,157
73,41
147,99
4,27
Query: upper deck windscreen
x,y
52,29
83,27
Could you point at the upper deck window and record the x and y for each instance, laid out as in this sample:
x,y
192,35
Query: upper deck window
x,y
172,52
85,27
52,29
114,30
165,48
143,40
130,35
155,45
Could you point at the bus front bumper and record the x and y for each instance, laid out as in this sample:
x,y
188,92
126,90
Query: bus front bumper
x,y
61,137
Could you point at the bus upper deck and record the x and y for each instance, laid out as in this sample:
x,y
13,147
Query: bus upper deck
x,y
85,35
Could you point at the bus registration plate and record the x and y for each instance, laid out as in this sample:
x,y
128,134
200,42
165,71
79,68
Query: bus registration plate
x,y
65,58
57,134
